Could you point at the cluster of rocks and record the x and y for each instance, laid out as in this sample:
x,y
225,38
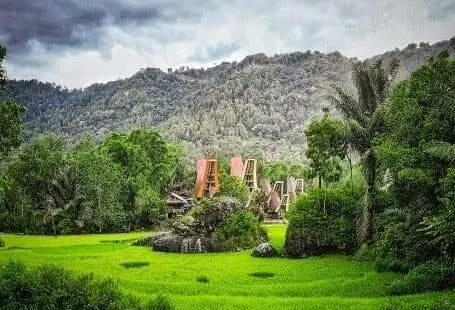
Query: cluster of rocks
x,y
195,233
172,242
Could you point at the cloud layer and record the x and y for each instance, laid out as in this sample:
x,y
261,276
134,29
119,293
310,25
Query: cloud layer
x,y
76,43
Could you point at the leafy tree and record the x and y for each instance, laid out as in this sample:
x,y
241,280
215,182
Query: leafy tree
x,y
10,116
362,114
232,186
149,165
418,150
119,185
100,184
2,70
326,148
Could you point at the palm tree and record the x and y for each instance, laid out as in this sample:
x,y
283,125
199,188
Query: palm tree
x,y
362,113
64,197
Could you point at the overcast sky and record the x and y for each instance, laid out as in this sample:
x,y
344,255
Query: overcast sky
x,y
78,42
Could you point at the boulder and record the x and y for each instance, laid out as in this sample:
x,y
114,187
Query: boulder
x,y
264,250
171,242
198,231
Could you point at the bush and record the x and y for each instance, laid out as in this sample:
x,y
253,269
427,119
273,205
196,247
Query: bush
x,y
444,302
209,214
323,221
262,274
203,279
2,243
160,303
50,287
366,253
138,264
240,230
429,276
234,187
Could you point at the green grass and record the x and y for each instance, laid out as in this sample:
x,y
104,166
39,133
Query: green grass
x,y
216,280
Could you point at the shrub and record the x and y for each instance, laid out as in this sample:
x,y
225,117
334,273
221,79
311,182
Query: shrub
x,y
209,214
50,287
2,243
234,187
202,279
262,274
391,254
129,265
324,220
160,303
426,277
240,230
365,253
442,303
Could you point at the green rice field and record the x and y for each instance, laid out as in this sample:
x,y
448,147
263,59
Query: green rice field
x,y
219,280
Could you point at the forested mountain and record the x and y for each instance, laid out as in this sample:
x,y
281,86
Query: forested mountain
x,y
258,106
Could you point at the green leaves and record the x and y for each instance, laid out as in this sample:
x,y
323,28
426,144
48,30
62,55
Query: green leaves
x,y
417,147
326,147
116,186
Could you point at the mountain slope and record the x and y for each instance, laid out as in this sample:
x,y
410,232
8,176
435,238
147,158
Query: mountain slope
x,y
258,106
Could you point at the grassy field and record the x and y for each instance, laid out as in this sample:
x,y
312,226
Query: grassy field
x,y
235,280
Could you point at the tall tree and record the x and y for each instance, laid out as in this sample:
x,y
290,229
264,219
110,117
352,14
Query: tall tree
x,y
418,149
326,148
362,113
10,115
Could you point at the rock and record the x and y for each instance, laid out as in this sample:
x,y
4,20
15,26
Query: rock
x,y
171,242
197,231
264,250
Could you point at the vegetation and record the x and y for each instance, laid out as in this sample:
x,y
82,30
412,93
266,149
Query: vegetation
x,y
10,115
258,106
232,186
326,282
362,114
417,151
326,147
324,221
51,287
213,225
429,276
118,185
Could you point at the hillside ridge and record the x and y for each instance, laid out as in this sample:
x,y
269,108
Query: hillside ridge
x,y
256,107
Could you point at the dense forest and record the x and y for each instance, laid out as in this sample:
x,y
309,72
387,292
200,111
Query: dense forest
x,y
399,212
259,106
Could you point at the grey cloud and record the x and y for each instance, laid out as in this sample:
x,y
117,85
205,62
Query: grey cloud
x,y
214,52
76,42
60,24
441,9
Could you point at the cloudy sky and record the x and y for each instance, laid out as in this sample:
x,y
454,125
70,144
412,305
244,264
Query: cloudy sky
x,y
78,42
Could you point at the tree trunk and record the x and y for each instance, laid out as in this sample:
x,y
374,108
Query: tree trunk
x,y
325,196
350,169
370,166
53,224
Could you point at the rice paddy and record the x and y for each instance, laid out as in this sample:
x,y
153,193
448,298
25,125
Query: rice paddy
x,y
219,280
